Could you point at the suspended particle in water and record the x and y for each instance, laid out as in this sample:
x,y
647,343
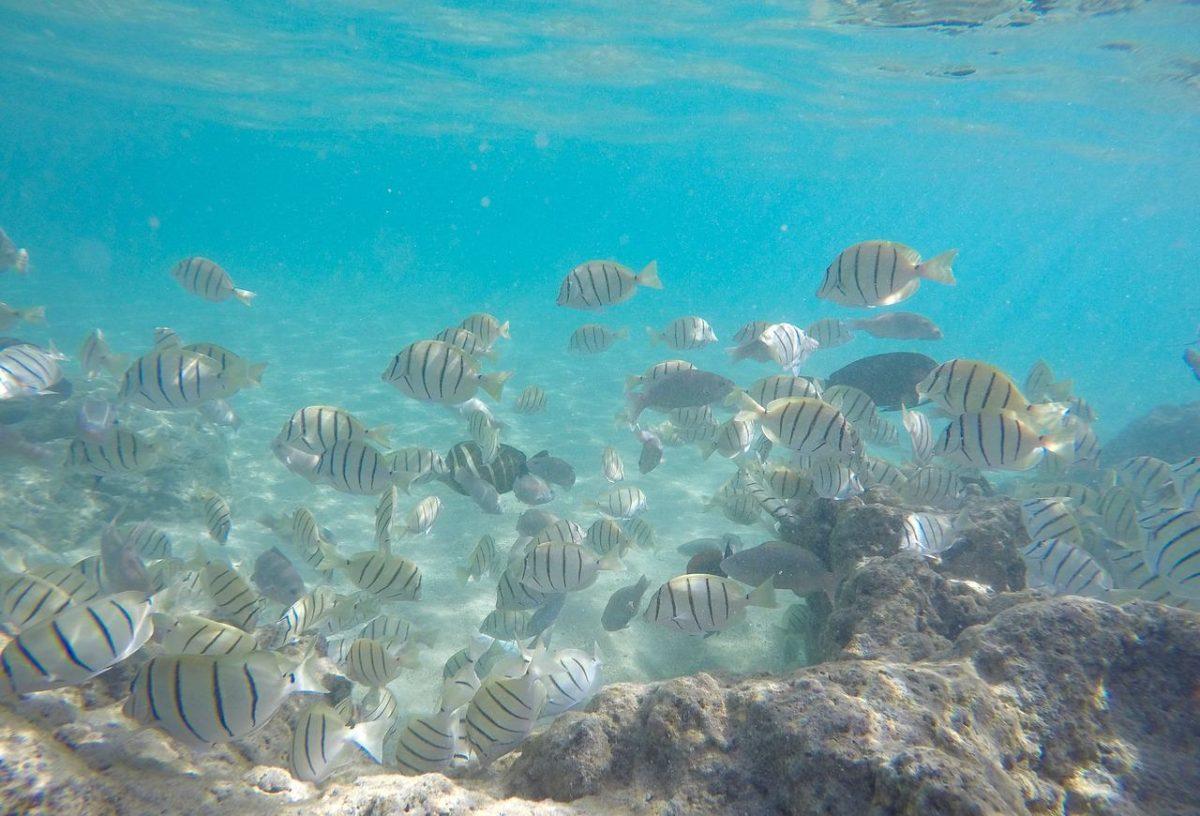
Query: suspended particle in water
x,y
541,140
485,202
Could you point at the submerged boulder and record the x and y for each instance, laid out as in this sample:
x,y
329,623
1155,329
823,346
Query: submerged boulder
x,y
1168,432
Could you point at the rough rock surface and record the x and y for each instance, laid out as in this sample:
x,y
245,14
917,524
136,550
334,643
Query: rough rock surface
x,y
1170,432
1067,705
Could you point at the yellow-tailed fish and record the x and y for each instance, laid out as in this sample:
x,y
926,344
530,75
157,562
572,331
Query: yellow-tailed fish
x,y
806,426
217,517
433,371
114,453
593,338
531,400
502,714
881,273
173,380
561,567
321,741
701,604
316,428
830,332
387,577
486,327
684,333
970,386
468,341
595,284
995,441
354,467
484,560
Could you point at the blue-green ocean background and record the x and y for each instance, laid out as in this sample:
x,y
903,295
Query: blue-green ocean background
x,y
376,171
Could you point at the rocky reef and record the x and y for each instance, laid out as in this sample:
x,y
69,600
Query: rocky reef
x,y
1169,432
936,688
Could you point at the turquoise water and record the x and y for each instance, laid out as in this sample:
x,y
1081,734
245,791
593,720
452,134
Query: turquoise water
x,y
375,174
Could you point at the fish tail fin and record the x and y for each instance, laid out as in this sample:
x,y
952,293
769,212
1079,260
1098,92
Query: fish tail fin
x,y
381,434
370,735
655,339
254,373
117,364
744,403
938,268
736,353
611,563
34,314
1048,414
632,382
305,677
1061,390
1056,442
649,276
763,595
621,334
493,383
503,331
463,574
706,449
244,295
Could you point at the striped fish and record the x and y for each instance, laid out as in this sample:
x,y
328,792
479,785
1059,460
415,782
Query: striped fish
x,y
972,387
1189,490
920,436
27,370
858,407
532,400
348,612
91,568
76,644
657,372
145,539
1081,410
485,432
378,704
640,533
306,537
593,338
1065,569
209,699
1047,518
787,484
622,503
459,688
514,596
467,341
202,277
571,678
316,428
27,599
484,560
430,744
433,371
595,284
606,537
371,663
95,357
684,333
761,496
1041,385
303,616
390,630
238,371
423,516
994,441
559,567
733,438
486,327
321,738
232,596
10,316
835,480
192,634
881,273
114,453
787,345
883,472
691,417
1118,509
386,577
417,465
510,625
355,467
750,331
927,533
782,386
611,466
385,515
502,715
78,587
807,426
1082,495
560,530
830,332
1150,479
172,379
467,656
1085,452
217,518
701,604
742,509
1173,549
933,484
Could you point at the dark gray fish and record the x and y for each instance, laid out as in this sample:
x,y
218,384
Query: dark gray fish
x,y
552,469
531,489
277,578
889,379
623,605
480,491
123,566
795,568
682,389
707,561
500,473
899,326
697,545
652,451
532,522
545,615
